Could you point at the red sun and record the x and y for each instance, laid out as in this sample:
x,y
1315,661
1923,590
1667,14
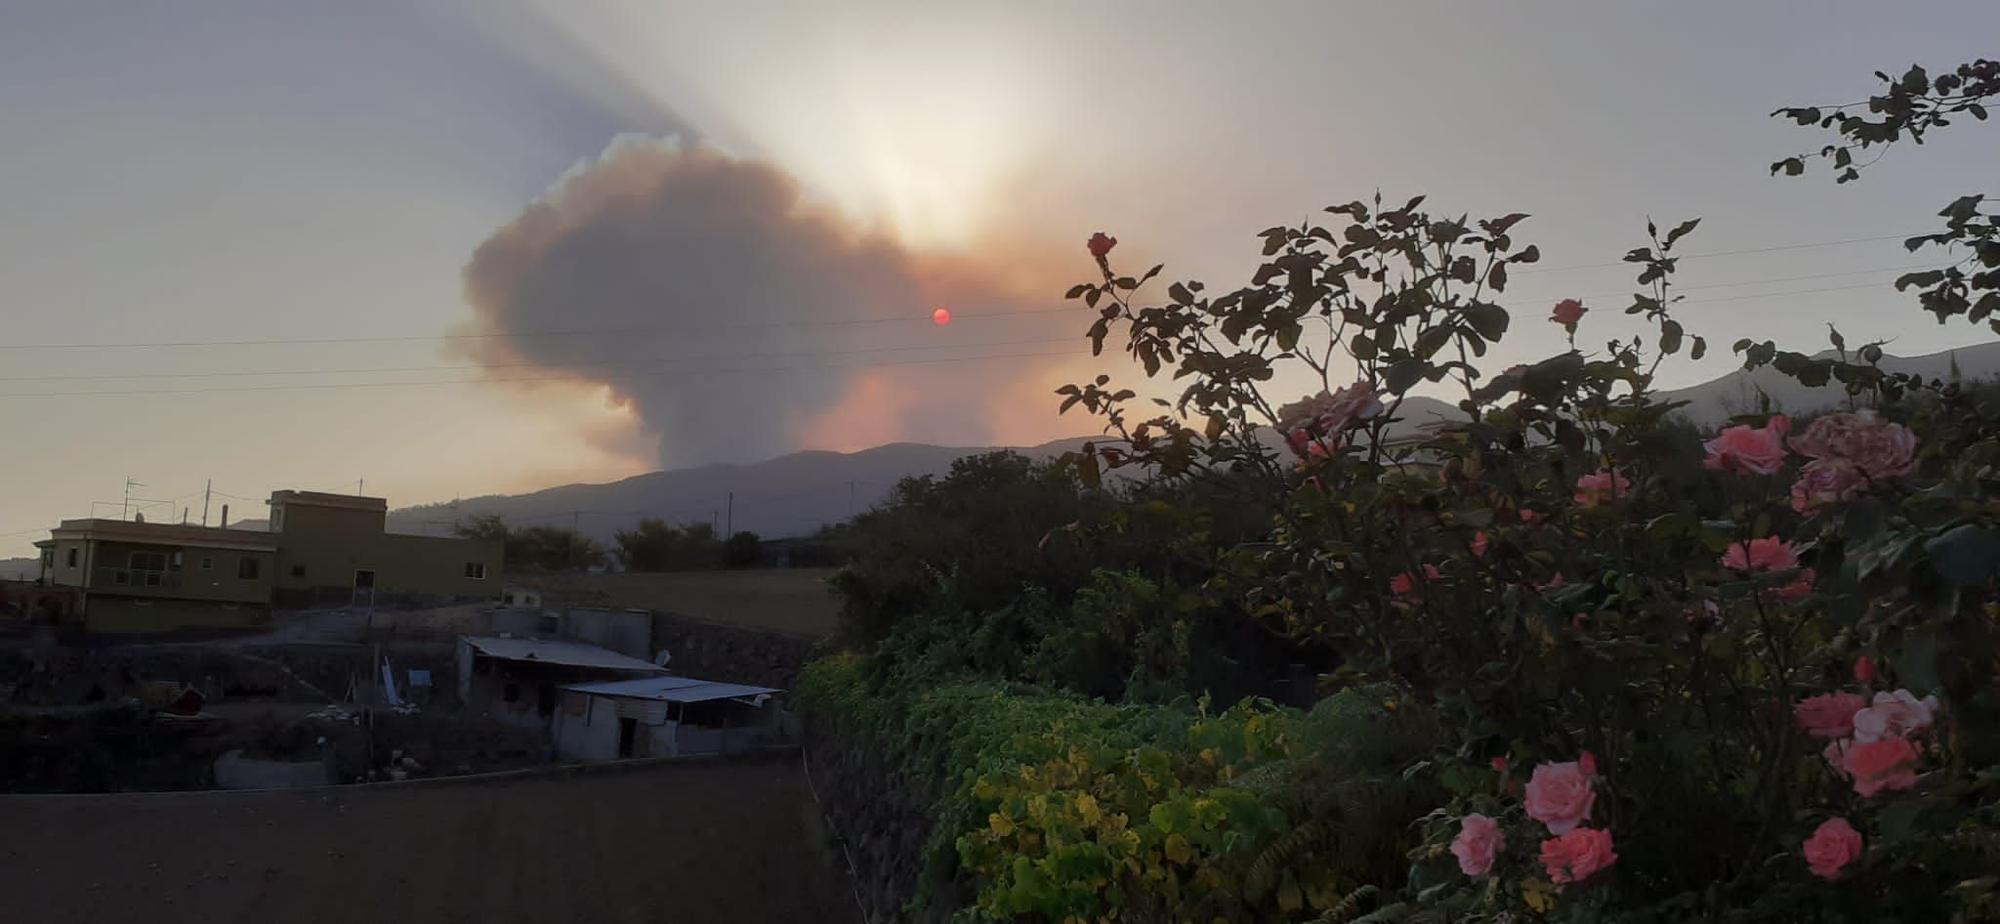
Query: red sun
x,y
941,317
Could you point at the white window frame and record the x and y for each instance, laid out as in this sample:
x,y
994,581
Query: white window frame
x,y
480,566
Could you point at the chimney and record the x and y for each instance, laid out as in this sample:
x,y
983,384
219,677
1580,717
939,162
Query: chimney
x,y
225,516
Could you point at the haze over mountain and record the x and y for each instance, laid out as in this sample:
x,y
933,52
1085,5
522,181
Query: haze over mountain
x,y
796,494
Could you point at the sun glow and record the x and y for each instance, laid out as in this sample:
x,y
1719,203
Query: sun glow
x,y
912,128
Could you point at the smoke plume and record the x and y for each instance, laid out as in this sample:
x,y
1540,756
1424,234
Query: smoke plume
x,y
738,320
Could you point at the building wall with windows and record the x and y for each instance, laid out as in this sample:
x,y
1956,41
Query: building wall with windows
x,y
158,577
334,550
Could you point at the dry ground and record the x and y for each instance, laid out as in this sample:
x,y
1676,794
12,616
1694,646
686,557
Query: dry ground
x,y
709,842
794,601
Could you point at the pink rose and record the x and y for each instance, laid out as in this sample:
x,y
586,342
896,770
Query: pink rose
x,y
1100,245
1526,515
1864,669
1800,587
1826,481
1828,715
1329,415
1560,796
1478,841
1479,543
1894,715
1499,764
1554,583
1767,554
1742,449
1567,312
1405,584
1887,763
1879,448
1577,855
1831,847
1602,486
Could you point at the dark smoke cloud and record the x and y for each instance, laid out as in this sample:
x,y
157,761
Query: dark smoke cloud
x,y
719,262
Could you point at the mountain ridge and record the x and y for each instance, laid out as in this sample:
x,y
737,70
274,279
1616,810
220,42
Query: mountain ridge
x,y
796,493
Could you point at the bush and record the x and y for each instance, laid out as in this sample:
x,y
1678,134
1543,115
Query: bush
x,y
1058,806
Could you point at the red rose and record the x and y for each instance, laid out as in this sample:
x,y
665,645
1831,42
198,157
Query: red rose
x,y
1101,244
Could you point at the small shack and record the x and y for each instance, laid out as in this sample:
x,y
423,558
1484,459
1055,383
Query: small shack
x,y
664,717
518,680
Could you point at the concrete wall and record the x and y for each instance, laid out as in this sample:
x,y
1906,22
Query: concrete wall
x,y
624,631
234,771
133,615
592,735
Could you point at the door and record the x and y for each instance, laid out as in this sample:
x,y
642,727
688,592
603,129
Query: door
x,y
364,588
628,729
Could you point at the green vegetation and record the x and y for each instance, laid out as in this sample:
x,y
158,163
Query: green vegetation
x,y
1572,660
536,548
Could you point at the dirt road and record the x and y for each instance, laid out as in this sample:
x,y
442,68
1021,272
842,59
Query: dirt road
x,y
711,842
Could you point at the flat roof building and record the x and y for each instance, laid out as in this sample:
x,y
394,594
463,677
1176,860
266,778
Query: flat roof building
x,y
319,550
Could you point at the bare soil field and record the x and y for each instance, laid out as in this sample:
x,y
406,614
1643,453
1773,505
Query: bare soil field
x,y
794,601
708,842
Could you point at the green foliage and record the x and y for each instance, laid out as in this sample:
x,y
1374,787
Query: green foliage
x,y
1058,807
1568,578
535,548
653,545
742,550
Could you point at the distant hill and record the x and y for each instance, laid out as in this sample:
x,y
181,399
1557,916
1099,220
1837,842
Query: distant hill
x,y
790,495
1715,401
796,494
20,569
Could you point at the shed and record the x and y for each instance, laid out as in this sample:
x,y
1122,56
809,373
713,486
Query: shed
x,y
664,716
517,680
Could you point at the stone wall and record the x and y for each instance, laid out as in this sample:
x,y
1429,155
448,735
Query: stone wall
x,y
882,819
716,652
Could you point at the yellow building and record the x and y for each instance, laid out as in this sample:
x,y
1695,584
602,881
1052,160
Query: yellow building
x,y
321,550
336,550
150,577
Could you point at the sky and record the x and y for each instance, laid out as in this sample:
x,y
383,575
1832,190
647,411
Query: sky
x,y
435,250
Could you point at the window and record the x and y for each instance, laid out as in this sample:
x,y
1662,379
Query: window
x,y
207,563
146,567
475,570
174,564
277,519
511,692
298,571
248,568
72,557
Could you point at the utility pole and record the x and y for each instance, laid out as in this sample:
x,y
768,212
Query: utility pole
x,y
360,486
184,516
729,529
210,486
574,540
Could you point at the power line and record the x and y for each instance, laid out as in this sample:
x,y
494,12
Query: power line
x,y
521,365
1720,253
503,335
549,378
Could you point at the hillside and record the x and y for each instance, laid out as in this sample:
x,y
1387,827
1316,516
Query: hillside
x,y
796,494
790,495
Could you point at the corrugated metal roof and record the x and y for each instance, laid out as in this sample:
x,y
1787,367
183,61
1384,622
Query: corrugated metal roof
x,y
551,651
670,689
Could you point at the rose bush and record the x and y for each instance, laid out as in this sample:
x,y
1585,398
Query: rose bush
x,y
1681,608
1656,674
